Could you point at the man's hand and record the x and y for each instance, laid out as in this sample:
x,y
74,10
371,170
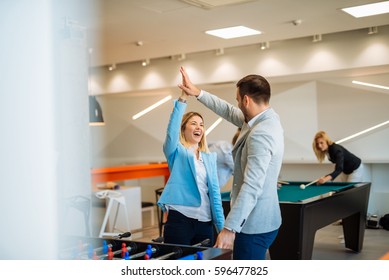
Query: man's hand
x,y
225,239
187,85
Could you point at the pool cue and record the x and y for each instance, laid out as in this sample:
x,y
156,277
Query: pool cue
x,y
313,182
283,182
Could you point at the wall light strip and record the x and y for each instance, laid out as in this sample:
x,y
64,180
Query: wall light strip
x,y
370,85
152,107
213,126
362,132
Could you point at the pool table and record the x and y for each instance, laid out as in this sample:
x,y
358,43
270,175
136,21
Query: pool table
x,y
304,211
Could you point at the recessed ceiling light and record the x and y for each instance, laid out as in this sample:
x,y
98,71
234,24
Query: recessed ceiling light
x,y
233,32
368,9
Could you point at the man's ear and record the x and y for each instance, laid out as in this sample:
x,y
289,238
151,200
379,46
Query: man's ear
x,y
246,100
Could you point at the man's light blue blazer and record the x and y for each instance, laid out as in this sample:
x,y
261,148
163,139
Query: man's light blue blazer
x,y
181,188
258,155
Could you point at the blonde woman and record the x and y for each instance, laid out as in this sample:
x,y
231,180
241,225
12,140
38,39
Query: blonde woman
x,y
192,195
347,165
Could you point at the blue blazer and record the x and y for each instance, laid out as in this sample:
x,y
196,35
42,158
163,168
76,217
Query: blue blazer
x,y
181,188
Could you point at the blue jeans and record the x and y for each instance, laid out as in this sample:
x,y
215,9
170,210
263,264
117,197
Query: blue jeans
x,y
180,229
253,246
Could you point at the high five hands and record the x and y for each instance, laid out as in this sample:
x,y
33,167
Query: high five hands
x,y
187,86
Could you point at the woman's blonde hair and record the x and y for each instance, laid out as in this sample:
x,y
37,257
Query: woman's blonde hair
x,y
319,154
203,147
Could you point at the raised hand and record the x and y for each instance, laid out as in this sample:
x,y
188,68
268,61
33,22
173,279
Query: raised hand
x,y
187,86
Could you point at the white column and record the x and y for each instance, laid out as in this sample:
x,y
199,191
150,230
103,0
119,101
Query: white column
x,y
44,151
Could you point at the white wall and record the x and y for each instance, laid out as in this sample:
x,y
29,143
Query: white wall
x,y
283,61
305,93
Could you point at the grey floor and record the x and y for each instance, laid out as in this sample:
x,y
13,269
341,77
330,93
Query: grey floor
x,y
327,245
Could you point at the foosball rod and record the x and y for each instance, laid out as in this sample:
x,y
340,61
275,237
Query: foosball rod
x,y
196,256
128,248
100,249
89,251
150,250
70,251
179,251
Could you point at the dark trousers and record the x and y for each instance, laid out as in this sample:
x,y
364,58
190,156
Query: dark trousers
x,y
180,229
252,246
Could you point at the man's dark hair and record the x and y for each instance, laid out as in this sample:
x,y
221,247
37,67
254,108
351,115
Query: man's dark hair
x,y
256,87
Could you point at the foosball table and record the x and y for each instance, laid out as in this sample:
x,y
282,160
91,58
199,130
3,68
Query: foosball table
x,y
89,248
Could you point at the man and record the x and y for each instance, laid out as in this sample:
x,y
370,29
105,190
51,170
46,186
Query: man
x,y
254,219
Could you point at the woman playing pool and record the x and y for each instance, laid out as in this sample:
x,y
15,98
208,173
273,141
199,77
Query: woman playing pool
x,y
348,165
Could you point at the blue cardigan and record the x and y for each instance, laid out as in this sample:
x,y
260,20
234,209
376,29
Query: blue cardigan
x,y
181,188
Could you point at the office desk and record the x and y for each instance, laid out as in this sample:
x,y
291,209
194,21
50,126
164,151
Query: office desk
x,y
128,172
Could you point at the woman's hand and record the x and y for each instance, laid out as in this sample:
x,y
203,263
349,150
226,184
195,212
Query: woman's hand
x,y
183,97
324,179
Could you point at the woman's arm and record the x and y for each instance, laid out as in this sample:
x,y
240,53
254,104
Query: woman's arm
x,y
172,139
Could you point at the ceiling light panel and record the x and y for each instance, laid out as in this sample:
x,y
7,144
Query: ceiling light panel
x,y
368,9
208,4
233,32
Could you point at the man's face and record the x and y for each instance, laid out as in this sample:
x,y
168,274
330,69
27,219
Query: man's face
x,y
241,104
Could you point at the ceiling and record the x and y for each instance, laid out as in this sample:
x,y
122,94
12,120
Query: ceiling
x,y
124,31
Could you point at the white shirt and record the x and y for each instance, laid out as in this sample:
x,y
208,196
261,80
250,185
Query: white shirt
x,y
203,212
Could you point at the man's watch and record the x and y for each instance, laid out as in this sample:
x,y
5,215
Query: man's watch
x,y
181,100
